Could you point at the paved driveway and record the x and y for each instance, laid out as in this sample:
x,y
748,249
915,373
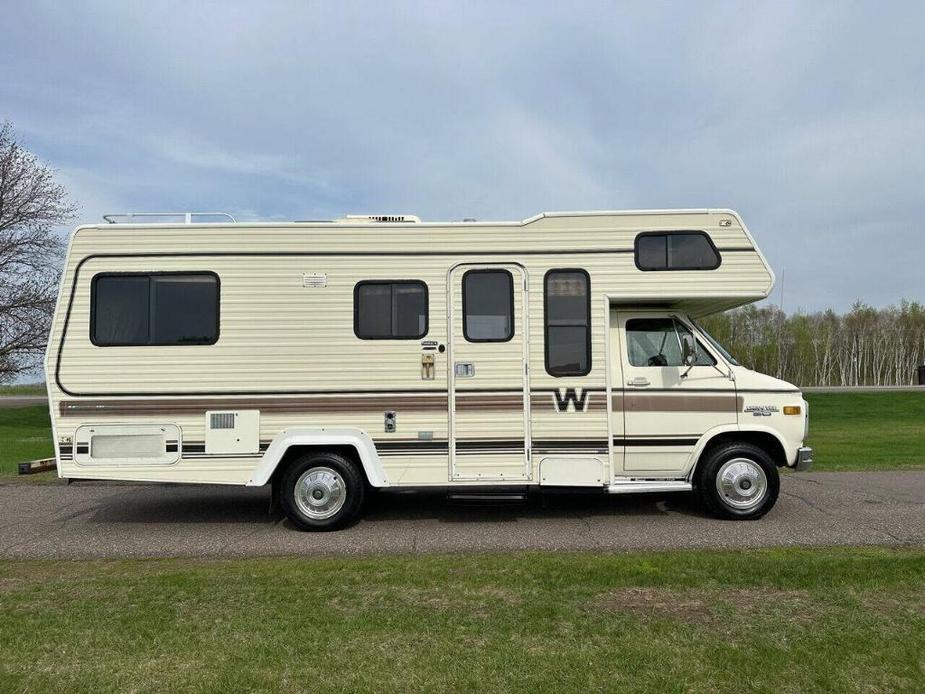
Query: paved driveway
x,y
90,519
8,402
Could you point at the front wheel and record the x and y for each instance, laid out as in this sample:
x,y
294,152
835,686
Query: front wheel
x,y
322,491
738,481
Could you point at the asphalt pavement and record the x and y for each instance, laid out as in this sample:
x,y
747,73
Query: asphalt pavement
x,y
11,401
97,519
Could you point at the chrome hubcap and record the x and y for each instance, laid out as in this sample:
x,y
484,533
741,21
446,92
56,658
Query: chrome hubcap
x,y
320,493
741,483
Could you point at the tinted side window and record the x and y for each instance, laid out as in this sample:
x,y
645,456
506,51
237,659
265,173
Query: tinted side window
x,y
154,309
488,305
185,309
567,296
120,310
652,252
676,250
390,310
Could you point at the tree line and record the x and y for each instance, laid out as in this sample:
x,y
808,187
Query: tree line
x,y
864,347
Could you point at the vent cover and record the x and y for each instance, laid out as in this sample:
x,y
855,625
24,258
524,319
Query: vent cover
x,y
221,420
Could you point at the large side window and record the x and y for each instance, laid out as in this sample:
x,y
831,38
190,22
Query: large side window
x,y
488,305
657,342
390,310
170,308
567,301
676,250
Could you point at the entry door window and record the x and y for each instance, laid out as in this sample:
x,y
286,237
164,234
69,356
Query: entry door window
x,y
488,305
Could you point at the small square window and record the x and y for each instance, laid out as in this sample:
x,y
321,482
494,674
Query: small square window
x,y
390,310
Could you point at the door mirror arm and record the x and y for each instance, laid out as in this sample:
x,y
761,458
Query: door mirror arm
x,y
688,352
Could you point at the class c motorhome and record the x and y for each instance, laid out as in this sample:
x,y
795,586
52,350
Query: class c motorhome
x,y
329,358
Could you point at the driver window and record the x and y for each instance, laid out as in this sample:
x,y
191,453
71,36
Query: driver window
x,y
656,342
704,358
653,342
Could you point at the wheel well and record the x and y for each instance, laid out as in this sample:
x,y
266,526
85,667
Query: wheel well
x,y
294,452
762,439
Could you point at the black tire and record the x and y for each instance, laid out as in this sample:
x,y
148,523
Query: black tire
x,y
735,502
331,471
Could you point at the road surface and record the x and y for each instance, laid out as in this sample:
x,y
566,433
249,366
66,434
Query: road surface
x,y
94,519
8,402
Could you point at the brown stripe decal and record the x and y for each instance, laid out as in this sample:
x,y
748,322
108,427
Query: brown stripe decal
x,y
321,404
677,402
540,402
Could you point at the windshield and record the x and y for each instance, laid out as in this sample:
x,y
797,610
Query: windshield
x,y
716,345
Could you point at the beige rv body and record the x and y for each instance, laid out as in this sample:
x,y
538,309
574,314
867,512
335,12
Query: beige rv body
x,y
289,370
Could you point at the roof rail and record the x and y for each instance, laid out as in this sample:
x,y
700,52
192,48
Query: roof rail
x,y
379,218
187,216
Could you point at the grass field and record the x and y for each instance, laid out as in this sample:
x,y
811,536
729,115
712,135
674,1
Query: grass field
x,y
24,389
849,431
867,431
777,620
25,434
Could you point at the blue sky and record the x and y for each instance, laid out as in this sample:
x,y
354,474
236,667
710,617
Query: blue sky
x,y
808,118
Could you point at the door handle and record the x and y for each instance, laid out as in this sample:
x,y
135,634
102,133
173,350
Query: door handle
x,y
640,381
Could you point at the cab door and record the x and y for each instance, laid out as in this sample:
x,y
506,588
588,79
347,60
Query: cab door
x,y
667,406
489,391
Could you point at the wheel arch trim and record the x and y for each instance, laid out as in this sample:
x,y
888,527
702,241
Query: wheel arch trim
x,y
710,435
319,438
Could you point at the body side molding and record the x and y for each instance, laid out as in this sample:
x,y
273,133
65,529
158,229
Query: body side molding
x,y
357,438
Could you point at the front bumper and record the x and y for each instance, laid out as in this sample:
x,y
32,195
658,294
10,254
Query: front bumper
x,y
804,458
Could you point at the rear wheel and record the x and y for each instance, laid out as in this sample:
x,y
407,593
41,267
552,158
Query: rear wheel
x,y
322,491
738,481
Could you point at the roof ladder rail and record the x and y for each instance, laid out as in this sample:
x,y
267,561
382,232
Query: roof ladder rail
x,y
187,217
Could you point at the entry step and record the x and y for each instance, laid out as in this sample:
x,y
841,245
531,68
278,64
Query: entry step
x,y
483,497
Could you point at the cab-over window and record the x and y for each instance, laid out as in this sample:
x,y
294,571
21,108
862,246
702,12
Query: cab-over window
x,y
676,250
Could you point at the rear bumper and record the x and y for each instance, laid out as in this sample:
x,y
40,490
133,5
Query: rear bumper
x,y
804,458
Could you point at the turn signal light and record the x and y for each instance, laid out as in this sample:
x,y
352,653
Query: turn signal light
x,y
792,409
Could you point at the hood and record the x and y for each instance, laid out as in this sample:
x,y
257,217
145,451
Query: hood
x,y
746,379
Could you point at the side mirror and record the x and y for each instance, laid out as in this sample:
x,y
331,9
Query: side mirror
x,y
688,349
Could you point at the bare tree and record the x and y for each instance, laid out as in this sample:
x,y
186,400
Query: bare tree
x,y
32,204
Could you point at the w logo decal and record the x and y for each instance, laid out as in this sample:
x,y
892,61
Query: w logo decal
x,y
566,397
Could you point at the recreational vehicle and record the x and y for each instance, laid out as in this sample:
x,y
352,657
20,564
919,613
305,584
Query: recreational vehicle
x,y
329,359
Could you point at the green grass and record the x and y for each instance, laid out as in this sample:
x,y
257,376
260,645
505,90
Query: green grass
x,y
24,389
777,620
867,431
25,434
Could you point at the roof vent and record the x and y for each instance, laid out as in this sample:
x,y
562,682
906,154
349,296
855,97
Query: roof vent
x,y
379,219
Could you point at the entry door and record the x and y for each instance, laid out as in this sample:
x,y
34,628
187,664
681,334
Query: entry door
x,y
489,395
665,412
